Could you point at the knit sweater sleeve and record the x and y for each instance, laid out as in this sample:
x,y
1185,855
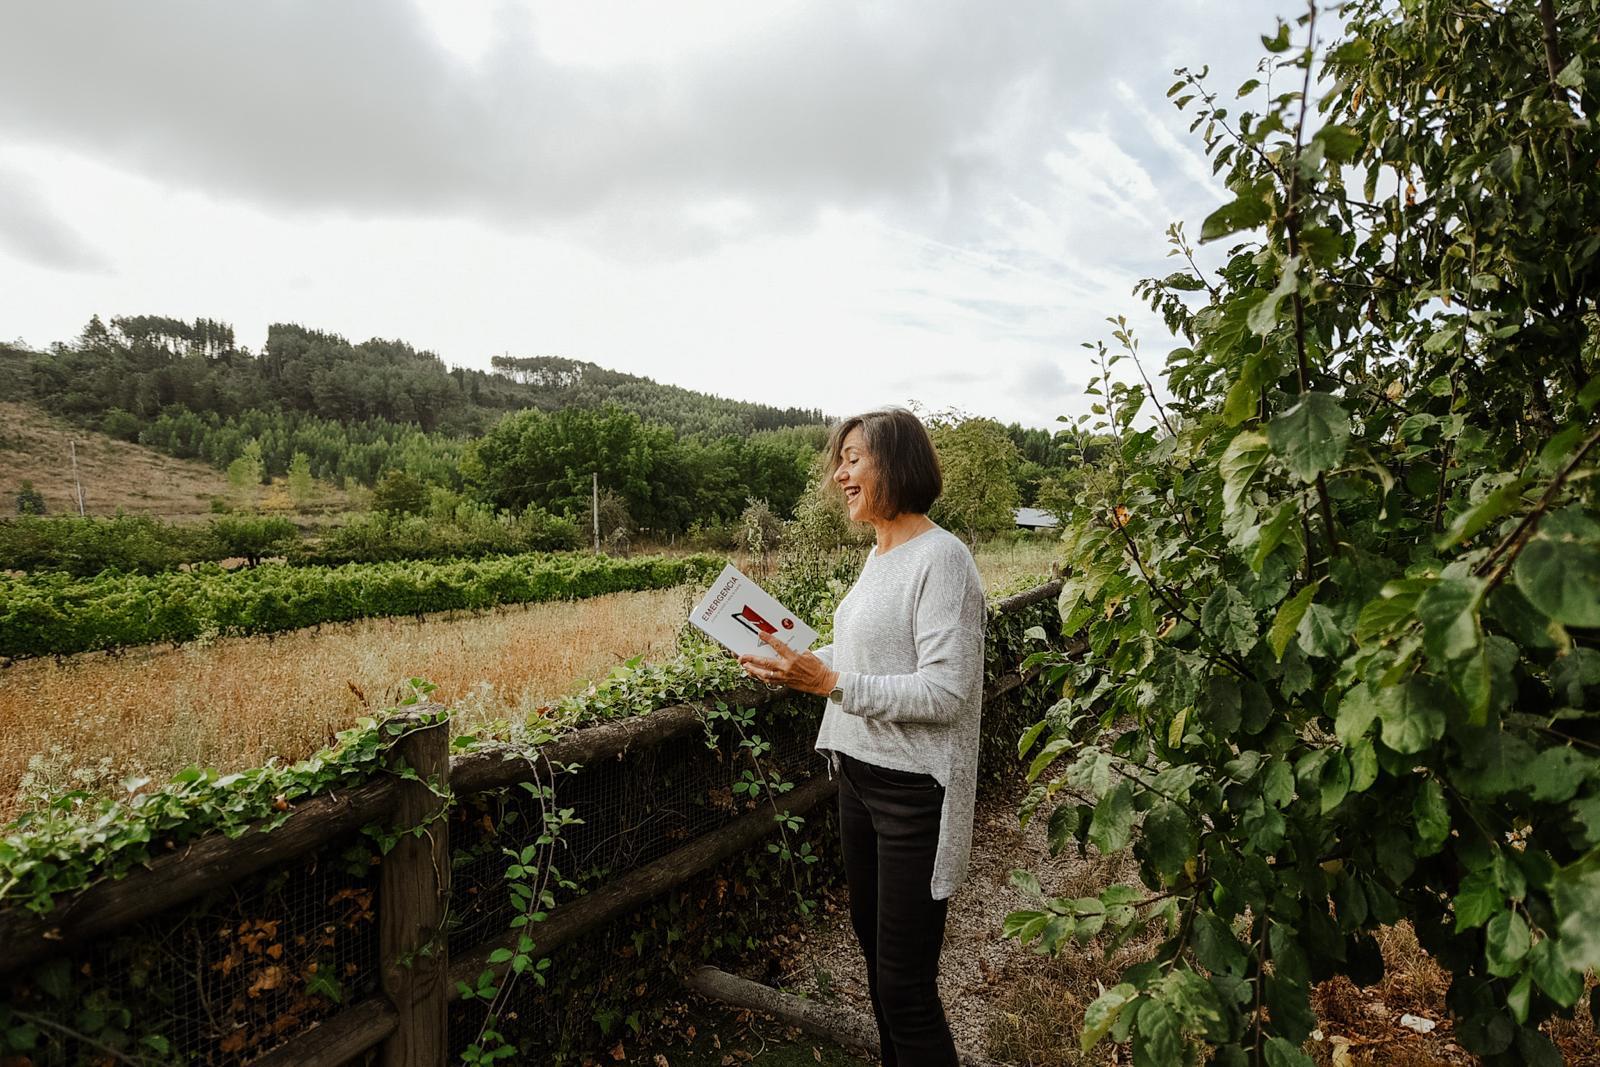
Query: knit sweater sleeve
x,y
825,654
948,680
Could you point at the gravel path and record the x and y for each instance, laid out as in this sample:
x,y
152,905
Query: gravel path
x,y
987,984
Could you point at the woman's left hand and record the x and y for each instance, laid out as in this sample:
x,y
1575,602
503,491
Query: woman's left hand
x,y
797,670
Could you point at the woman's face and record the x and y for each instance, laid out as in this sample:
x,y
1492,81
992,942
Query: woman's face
x,y
857,476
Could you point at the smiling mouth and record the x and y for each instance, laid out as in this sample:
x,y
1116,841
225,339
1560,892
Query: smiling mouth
x,y
852,493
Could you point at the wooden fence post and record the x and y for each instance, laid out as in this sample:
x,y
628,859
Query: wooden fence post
x,y
413,890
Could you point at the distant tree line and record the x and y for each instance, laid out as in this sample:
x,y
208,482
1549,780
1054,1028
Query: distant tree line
x,y
146,365
531,434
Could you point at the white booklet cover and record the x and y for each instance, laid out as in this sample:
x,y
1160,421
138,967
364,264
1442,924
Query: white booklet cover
x,y
736,611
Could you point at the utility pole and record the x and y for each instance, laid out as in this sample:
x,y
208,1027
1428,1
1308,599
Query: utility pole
x,y
77,485
597,511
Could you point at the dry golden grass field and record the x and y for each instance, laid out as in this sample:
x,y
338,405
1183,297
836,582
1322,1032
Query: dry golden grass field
x,y
92,721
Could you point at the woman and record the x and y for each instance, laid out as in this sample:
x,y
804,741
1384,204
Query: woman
x,y
904,681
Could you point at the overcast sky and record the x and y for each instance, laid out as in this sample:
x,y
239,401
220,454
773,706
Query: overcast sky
x,y
832,205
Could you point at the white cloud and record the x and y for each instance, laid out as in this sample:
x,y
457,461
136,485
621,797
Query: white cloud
x,y
823,204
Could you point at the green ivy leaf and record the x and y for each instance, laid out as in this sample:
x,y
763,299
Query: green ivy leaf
x,y
1277,783
1571,75
1264,314
1363,766
1245,393
1026,881
1215,946
1561,579
1576,894
1062,827
1274,531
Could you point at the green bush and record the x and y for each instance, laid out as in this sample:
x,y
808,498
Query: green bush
x,y
1339,593
87,546
468,530
252,537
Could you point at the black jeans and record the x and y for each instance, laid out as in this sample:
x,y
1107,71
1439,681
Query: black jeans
x,y
889,832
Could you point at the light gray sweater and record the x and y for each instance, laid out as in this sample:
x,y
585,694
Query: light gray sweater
x,y
908,646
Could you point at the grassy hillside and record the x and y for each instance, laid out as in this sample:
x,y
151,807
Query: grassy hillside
x,y
35,446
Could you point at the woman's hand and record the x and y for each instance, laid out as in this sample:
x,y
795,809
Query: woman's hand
x,y
797,670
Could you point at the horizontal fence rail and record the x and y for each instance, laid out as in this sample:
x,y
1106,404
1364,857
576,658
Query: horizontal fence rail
x,y
404,1014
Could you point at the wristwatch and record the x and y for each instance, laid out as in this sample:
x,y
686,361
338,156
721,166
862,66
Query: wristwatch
x,y
836,695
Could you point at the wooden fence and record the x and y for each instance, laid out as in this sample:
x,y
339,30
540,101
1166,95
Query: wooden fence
x,y
405,1022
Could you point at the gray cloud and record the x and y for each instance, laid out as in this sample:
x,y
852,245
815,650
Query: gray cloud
x,y
914,109
31,229
1046,380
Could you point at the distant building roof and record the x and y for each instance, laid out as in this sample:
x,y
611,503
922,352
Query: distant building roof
x,y
1035,517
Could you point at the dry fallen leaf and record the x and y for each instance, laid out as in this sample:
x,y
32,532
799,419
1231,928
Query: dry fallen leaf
x,y
266,979
619,1053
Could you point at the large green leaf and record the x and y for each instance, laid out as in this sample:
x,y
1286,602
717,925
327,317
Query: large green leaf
x,y
1560,983
1497,504
1264,315
1169,838
1244,456
1432,817
1449,614
1507,941
1281,1053
1228,618
1320,633
1412,713
1159,1042
1246,212
1310,437
1479,898
1561,579
1287,622
1102,1012
1275,531
1113,819
1215,946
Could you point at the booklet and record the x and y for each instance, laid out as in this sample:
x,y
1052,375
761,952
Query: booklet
x,y
737,611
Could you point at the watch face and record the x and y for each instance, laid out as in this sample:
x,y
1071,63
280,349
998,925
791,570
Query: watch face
x,y
837,696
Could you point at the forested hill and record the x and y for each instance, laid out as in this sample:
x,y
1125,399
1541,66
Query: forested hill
x,y
124,375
